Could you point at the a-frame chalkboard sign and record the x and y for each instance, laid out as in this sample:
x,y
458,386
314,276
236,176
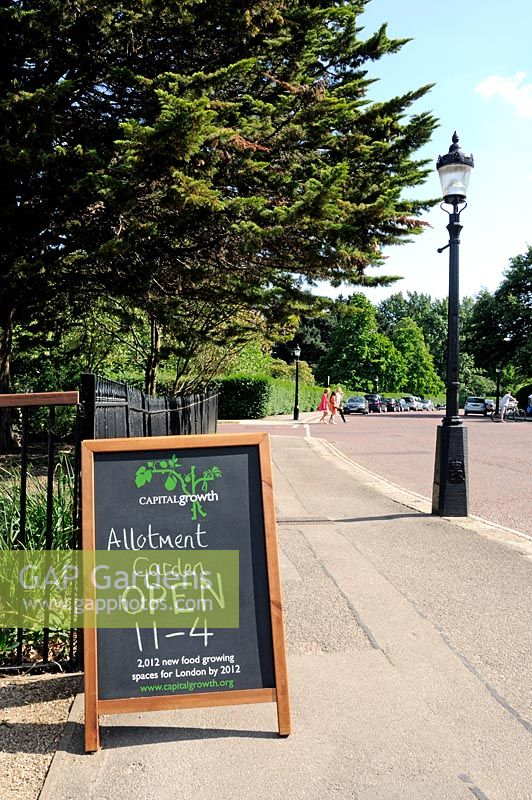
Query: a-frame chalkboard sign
x,y
194,498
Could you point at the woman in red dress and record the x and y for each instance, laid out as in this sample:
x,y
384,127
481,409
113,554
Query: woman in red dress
x,y
324,405
333,406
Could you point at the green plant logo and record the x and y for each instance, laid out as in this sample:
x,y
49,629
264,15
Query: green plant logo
x,y
195,488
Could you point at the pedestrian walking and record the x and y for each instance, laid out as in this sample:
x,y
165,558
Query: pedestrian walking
x,y
324,405
333,408
506,401
340,402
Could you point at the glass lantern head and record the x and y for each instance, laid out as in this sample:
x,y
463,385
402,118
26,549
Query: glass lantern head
x,y
454,169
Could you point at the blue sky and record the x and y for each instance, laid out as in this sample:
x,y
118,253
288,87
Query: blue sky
x,y
479,55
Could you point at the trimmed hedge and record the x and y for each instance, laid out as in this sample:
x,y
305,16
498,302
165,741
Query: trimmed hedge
x,y
283,395
241,397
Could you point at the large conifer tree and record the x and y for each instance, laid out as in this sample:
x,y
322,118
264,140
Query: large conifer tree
x,y
171,152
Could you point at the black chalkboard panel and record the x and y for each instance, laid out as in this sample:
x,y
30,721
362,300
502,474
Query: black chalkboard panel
x,y
175,496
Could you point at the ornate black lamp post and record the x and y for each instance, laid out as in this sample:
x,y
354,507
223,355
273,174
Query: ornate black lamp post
x,y
450,487
297,353
498,392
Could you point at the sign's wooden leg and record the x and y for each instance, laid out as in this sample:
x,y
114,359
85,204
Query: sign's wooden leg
x,y
92,729
283,711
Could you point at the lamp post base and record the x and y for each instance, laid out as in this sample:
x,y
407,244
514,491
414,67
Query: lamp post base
x,y
296,413
450,488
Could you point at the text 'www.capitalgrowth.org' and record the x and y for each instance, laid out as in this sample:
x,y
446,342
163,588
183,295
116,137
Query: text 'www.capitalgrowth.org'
x,y
188,686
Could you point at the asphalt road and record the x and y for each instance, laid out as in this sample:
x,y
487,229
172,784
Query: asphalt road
x,y
401,447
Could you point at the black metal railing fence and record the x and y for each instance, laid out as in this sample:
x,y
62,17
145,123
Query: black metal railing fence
x,y
29,495
103,409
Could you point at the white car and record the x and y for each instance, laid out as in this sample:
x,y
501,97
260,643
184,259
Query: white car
x,y
475,405
427,405
412,403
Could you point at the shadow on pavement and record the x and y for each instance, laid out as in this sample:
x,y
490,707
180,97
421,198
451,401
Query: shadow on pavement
x,y
129,736
327,521
134,735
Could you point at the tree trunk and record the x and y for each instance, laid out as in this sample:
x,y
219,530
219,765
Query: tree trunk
x,y
150,376
8,443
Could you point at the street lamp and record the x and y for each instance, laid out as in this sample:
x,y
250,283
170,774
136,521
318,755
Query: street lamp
x,y
450,487
376,383
498,392
297,353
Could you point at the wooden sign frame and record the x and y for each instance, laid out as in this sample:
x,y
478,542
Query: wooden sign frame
x,y
279,694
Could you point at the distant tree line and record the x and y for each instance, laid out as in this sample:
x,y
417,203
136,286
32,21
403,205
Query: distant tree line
x,y
400,343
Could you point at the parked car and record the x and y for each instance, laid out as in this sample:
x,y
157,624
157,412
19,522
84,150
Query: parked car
x,y
402,404
475,405
392,404
427,405
376,402
411,402
490,405
356,405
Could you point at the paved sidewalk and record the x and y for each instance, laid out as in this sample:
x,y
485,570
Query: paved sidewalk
x,y
305,417
408,653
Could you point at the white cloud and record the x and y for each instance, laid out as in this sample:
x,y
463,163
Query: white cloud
x,y
512,90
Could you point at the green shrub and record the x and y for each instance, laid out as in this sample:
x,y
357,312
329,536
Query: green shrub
x,y
280,369
283,396
36,515
36,521
241,397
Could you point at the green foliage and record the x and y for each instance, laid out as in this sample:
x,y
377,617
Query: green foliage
x,y
429,314
8,644
420,376
254,398
473,381
196,163
36,510
304,370
282,397
499,330
36,523
241,397
32,644
280,369
253,360
315,330
358,353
